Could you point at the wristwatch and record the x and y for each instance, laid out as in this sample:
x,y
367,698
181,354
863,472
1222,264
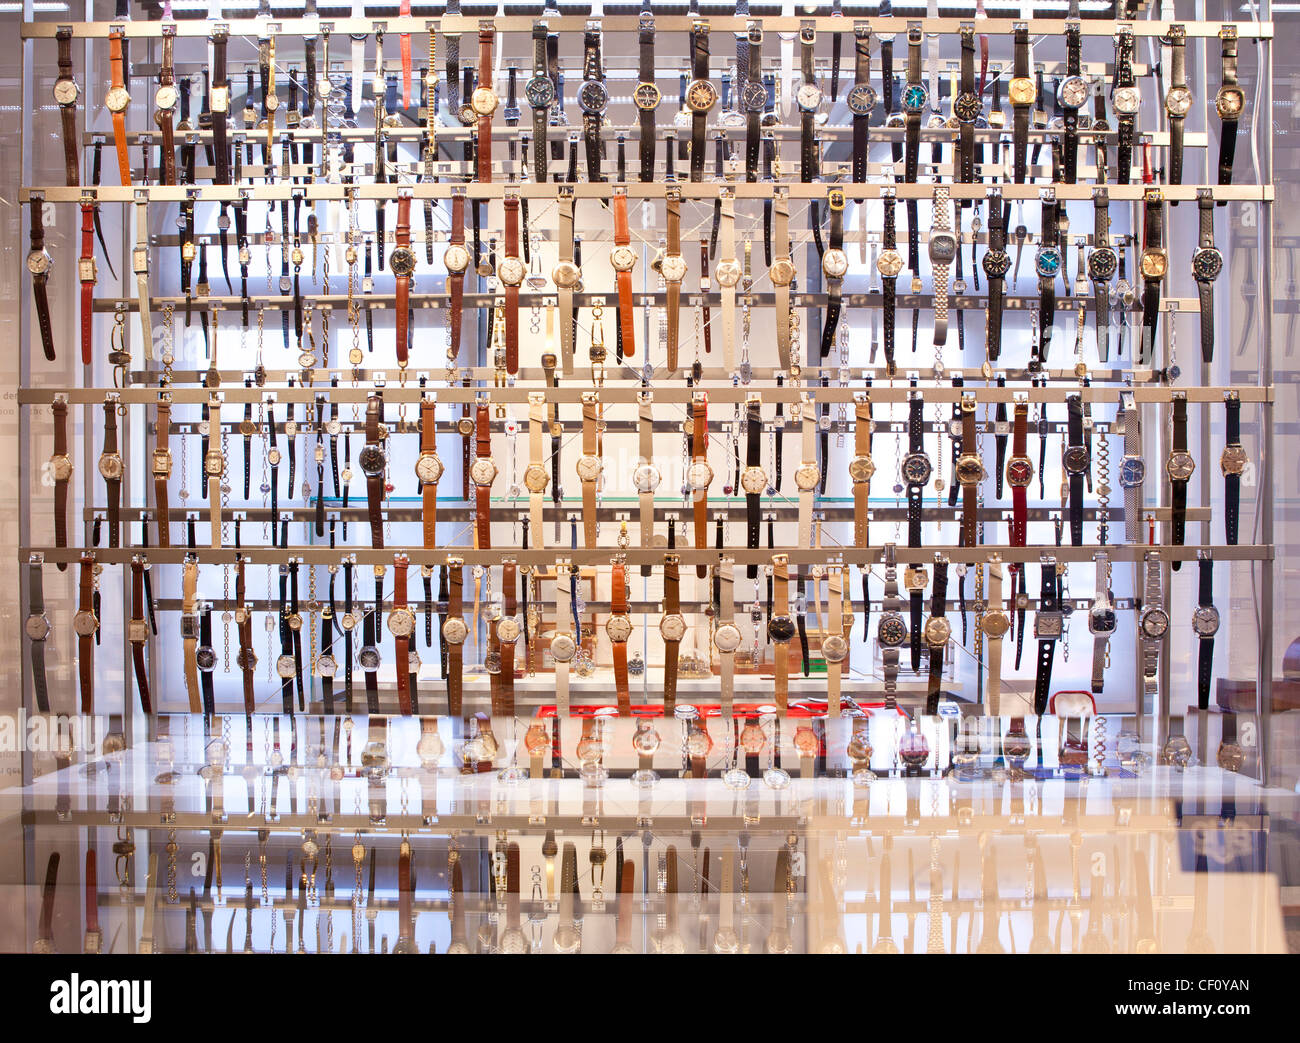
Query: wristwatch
x,y
1153,623
246,658
66,94
808,98
165,99
726,635
889,264
87,274
428,470
567,276
994,624
1205,624
117,100
219,103
781,273
1048,626
1101,621
190,629
508,630
943,251
781,628
1076,460
564,644
1178,102
891,630
374,463
623,259
862,467
916,468
44,942
967,108
85,624
39,266
536,476
753,100
484,103
1207,263
1179,466
646,96
937,631
915,99
1229,102
137,632
37,628
456,260
140,266
835,266
110,469
1232,463
728,273
1126,99
618,628
808,475
1132,467
701,96
593,97
483,472
753,479
540,92
1047,265
673,269
402,263
454,633
672,628
511,271
1103,262
1023,92
969,471
1072,93
861,100
590,465
1020,471
996,262
1155,264
61,472
699,475
401,624
834,639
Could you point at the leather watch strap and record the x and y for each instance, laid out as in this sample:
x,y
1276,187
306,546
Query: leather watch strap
x,y
117,82
618,607
190,631
781,649
483,493
672,645
429,490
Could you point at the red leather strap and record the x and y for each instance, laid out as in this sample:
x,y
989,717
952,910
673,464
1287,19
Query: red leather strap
x,y
404,10
457,279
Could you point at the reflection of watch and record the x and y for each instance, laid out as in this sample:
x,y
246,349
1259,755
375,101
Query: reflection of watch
x,y
861,468
891,630
1179,466
1232,463
781,629
618,628
1205,624
1048,624
589,465
1101,621
994,624
937,632
454,633
483,473
37,629
672,628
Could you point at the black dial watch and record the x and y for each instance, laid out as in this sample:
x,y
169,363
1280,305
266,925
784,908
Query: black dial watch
x,y
1076,462
540,92
593,97
861,99
1207,264
1102,264
996,262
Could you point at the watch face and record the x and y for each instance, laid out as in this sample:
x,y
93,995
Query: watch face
x,y
1047,262
673,268
116,100
701,95
37,627
273,457
593,96
1073,93
781,628
1127,100
808,97
39,262
1233,460
87,270
401,261
454,630
728,273
1154,622
536,478
483,101
970,469
589,468
285,669
1180,466
61,467
753,480
1022,91
618,628
1177,752
110,466
754,96
372,461
566,275
1076,459
483,471
915,97
622,258
727,637
369,658
327,665
214,463
646,97
699,475
861,468
672,627
891,631
1155,262
65,91
401,622
540,92
428,468
206,658
1020,471
1207,263
511,271
937,631
995,623
835,649
1229,102
943,247
1102,263
890,263
456,259
563,648
508,629
835,263
646,478
246,659
1230,756
967,107
84,624
1132,471
781,273
807,477
861,99
137,631
1178,102
917,469
1047,625
1205,621
1101,618
165,97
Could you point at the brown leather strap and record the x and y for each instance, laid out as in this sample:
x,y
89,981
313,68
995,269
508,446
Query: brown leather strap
x,y
484,147
457,279
510,598
68,113
483,493
403,282
86,642
618,605
429,491
861,490
970,493
86,274
623,237
512,291
118,79
163,117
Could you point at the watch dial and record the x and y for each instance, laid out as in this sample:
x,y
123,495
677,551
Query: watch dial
x,y
1102,263
781,628
835,263
1074,92
1177,752
483,101
284,666
1154,622
699,475
1076,459
536,478
593,96
454,630
1101,618
1020,471
728,273
917,469
483,471
995,623
401,622
701,96
1230,756
807,477
540,92
1178,102
401,261
1047,262
511,271
110,466
428,468
835,649
1127,100
646,478
508,629
563,648
1229,102
589,468
861,99
889,264
1155,263
968,107
65,91
937,631
165,97
672,627
372,461
622,258
727,637
673,268
753,480
861,468
1205,621
808,97
1132,471
914,97
970,469
1180,466
646,96
753,97
1207,263
1233,460
456,259
566,275
943,247
618,628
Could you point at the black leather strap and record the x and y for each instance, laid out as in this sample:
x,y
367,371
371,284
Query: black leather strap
x,y
1205,653
1074,424
646,67
1205,287
753,449
997,283
861,120
1178,487
912,120
1020,113
1127,124
1232,482
938,608
700,70
916,605
890,285
1153,238
1046,649
1047,284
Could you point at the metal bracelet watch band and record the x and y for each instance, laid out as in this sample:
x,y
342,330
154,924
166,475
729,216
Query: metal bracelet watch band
x,y
943,249
781,273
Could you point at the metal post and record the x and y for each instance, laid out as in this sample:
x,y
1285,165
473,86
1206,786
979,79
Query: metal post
x,y
1262,118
